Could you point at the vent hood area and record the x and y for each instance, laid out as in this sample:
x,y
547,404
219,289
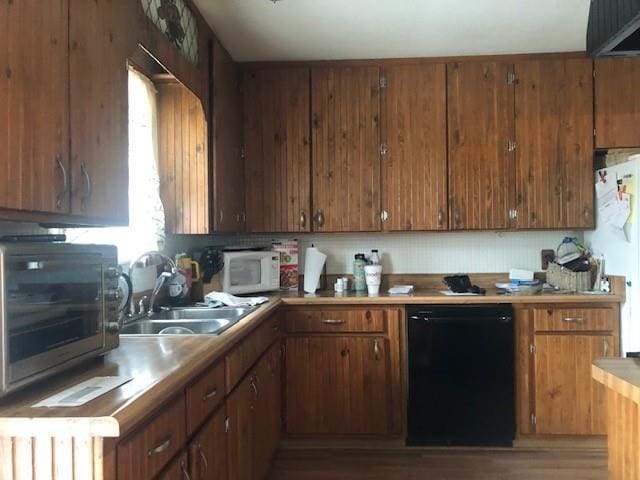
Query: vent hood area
x,y
614,28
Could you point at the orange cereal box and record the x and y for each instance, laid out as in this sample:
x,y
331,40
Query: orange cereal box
x,y
288,250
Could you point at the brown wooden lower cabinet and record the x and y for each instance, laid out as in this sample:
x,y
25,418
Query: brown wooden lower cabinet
x,y
556,391
208,449
178,469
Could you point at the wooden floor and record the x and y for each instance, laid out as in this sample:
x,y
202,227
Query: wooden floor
x,y
458,464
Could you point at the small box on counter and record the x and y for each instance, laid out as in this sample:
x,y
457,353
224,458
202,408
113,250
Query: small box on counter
x,y
288,250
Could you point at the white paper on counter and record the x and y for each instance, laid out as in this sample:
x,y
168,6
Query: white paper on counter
x,y
83,392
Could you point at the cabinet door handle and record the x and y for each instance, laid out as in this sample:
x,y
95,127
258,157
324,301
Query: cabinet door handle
x,y
440,217
185,474
220,216
319,218
303,219
573,319
254,387
384,216
605,347
205,462
84,201
333,322
376,349
162,447
210,394
65,183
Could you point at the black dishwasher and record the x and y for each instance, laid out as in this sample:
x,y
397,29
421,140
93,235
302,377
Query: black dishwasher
x,y
461,375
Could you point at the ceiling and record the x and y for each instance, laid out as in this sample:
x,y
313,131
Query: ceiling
x,y
258,30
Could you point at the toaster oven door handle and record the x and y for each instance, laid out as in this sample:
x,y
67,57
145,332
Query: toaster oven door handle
x,y
27,265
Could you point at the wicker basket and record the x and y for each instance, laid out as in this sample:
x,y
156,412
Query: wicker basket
x,y
565,279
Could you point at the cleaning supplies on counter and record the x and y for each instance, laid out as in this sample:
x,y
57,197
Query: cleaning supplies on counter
x,y
359,280
313,264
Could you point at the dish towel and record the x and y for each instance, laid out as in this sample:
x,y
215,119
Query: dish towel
x,y
233,301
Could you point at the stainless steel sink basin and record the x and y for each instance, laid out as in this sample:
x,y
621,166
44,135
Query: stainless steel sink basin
x,y
187,321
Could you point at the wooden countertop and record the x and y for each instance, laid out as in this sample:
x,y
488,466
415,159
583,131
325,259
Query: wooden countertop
x,y
619,374
161,366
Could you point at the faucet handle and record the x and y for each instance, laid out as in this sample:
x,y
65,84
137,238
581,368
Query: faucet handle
x,y
141,308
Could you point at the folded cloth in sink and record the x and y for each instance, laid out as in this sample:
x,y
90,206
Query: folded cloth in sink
x,y
233,301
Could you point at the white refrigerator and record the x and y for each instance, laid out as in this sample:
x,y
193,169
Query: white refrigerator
x,y
621,252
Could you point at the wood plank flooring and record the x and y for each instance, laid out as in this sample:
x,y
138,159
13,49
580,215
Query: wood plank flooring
x,y
438,464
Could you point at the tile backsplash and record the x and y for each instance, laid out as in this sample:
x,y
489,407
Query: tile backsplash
x,y
478,252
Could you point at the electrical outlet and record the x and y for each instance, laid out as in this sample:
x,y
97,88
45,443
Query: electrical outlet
x,y
547,256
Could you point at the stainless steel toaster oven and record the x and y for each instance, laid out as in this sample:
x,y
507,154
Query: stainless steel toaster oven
x,y
58,307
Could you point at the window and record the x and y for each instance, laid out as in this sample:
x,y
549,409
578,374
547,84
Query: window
x,y
146,214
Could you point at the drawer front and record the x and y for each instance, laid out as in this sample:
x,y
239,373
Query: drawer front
x,y
341,321
575,319
204,395
143,455
247,352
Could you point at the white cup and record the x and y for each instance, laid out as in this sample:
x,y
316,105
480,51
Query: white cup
x,y
373,277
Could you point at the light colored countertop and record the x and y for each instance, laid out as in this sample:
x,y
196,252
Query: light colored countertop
x,y
161,366
619,374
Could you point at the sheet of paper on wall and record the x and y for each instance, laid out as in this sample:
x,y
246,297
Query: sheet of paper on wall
x,y
622,210
629,186
606,186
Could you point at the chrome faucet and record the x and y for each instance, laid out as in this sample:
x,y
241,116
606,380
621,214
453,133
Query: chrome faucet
x,y
162,278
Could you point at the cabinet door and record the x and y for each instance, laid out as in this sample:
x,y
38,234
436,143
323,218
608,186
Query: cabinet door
x,y
554,154
99,112
178,469
480,106
567,400
277,149
242,430
208,450
34,104
337,385
346,148
617,102
414,169
228,165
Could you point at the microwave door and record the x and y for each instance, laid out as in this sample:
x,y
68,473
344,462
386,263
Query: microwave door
x,y
246,272
54,311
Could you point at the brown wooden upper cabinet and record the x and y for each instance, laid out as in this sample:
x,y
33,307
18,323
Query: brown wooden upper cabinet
x,y
64,90
554,149
277,149
480,103
345,118
228,166
414,166
34,103
617,102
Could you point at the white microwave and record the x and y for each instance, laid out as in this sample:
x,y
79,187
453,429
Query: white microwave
x,y
250,272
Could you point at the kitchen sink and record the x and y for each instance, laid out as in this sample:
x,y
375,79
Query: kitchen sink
x,y
187,321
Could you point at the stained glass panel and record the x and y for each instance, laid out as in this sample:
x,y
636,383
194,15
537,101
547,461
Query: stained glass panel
x,y
177,22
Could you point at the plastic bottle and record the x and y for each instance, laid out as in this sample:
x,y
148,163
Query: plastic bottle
x,y
375,258
359,281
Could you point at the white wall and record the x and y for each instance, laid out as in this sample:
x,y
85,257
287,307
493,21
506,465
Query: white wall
x,y
472,252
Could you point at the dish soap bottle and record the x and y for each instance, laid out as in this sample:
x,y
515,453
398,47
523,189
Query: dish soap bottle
x,y
359,281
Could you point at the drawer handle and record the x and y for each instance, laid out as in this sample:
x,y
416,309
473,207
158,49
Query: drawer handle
x,y
210,394
573,319
333,322
163,447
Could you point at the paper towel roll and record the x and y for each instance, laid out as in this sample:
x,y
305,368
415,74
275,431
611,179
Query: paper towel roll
x,y
313,263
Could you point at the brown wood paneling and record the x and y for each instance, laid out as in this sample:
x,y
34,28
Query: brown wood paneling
x,y
99,112
183,159
554,154
204,395
149,448
617,102
208,450
338,385
567,400
480,107
414,170
332,320
575,319
228,165
277,149
34,96
346,142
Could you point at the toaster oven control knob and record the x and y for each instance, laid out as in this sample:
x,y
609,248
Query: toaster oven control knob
x,y
111,272
112,295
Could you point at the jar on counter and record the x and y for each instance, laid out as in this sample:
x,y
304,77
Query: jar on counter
x,y
359,280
